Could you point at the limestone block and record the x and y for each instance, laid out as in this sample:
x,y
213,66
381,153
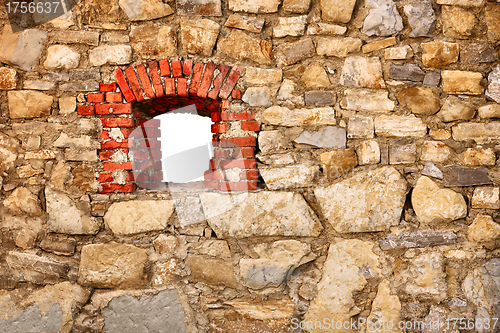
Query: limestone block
x,y
110,54
36,269
368,152
362,72
420,17
440,54
289,176
486,197
290,53
296,6
198,36
8,78
457,22
283,116
263,77
23,48
338,163
383,18
476,157
211,271
402,152
337,10
483,229
254,6
257,96
290,26
22,201
479,132
426,276
494,84
400,126
462,82
244,22
435,151
29,104
322,28
329,137
315,77
455,109
367,100
398,53
338,47
150,42
199,7
360,127
420,100
242,46
491,15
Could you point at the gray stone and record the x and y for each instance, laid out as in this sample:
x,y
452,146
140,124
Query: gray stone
x,y
110,54
360,127
402,153
265,213
290,53
290,176
362,72
55,76
430,169
319,98
369,201
189,210
383,18
199,7
85,75
329,137
31,318
418,239
421,18
257,96
494,84
80,86
22,49
406,72
61,57
432,79
141,10
156,313
456,175
244,22
38,85
75,37
477,53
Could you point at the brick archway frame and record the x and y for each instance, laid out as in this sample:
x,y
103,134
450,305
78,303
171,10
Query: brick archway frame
x,y
171,79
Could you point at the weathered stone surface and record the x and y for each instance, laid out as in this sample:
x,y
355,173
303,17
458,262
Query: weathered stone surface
x,y
483,229
112,265
75,37
479,132
275,262
419,100
386,309
380,44
211,271
272,142
198,36
383,18
337,10
290,176
491,14
160,311
432,79
329,137
8,78
241,46
110,54
21,49
463,3
38,85
421,18
133,217
402,152
276,159
400,126
283,116
433,204
67,105
362,72
244,22
406,72
368,152
59,246
61,57
477,53
494,84
457,22
461,82
50,309
22,201
296,6
426,276
66,216
264,213
475,157
418,239
254,6
115,37
260,76
322,28
435,151
290,26
486,197
343,275
455,175
338,163
257,96
85,74
150,42
27,171
398,53
29,104
368,201
36,269
80,86
360,127
64,141
338,47
320,98
290,53
439,54
142,10
455,109
315,77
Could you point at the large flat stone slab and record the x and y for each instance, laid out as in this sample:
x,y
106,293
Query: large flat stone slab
x,y
29,104
455,175
260,214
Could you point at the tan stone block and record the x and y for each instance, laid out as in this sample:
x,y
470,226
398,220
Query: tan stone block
x,y
435,151
360,127
290,26
380,44
439,54
337,10
144,10
369,100
463,3
296,6
22,201
315,77
489,111
283,116
457,22
152,42
118,54
198,36
479,132
398,53
241,46
400,126
322,28
261,76
440,134
211,271
462,82
253,24
67,105
254,6
492,17
368,152
455,108
8,78
483,229
338,47
29,104
476,157
338,163
420,100
486,197
362,72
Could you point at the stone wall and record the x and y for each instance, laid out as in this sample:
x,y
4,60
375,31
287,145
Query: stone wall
x,y
367,187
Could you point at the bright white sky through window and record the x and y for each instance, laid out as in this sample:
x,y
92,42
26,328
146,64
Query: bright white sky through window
x,y
186,144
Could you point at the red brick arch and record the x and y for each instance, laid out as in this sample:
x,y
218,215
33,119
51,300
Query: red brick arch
x,y
157,87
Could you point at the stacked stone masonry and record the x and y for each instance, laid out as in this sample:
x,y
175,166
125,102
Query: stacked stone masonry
x,y
355,175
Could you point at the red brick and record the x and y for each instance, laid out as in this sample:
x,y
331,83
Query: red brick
x,y
153,70
124,87
134,84
149,123
182,87
215,116
196,79
220,128
117,122
113,108
224,69
112,144
95,98
111,188
233,77
187,67
114,98
177,68
238,163
247,141
249,175
231,116
85,110
105,178
110,87
104,135
126,132
236,94
164,68
170,87
252,125
238,186
106,155
146,82
207,79
110,166
245,152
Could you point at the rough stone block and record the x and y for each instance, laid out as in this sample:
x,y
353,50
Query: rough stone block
x,y
29,104
462,82
242,46
152,42
456,175
198,36
362,72
8,78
